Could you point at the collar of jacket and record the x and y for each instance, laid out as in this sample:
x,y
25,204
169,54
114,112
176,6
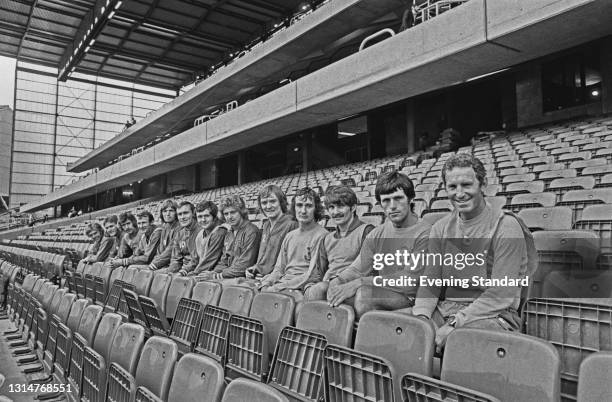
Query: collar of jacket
x,y
354,225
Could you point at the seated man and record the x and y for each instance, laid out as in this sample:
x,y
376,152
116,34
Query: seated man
x,y
474,227
96,233
169,230
209,241
402,233
184,255
148,242
341,247
109,246
240,244
129,240
273,203
294,267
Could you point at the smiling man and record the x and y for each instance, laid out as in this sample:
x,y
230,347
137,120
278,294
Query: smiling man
x,y
294,267
402,231
150,236
273,203
342,246
184,254
240,244
129,239
209,241
475,226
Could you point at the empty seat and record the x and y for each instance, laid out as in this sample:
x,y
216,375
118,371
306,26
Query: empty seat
x,y
297,366
563,185
506,365
237,299
594,383
124,353
576,329
129,274
580,199
334,323
142,281
101,282
197,375
155,368
518,178
524,187
547,218
207,292
252,339
154,305
89,280
184,329
563,250
597,218
531,200
242,389
578,284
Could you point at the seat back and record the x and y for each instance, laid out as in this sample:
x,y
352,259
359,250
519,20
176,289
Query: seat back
x,y
418,387
159,289
594,382
142,281
578,284
237,299
74,318
179,287
129,274
275,312
506,365
553,218
64,308
105,333
334,323
57,299
207,292
156,365
196,375
242,389
407,342
89,322
126,346
185,324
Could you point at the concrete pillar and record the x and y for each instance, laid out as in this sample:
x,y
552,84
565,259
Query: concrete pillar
x,y
306,151
241,167
411,136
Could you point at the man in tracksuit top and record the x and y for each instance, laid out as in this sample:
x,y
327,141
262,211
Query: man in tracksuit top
x,y
209,242
149,241
241,242
184,254
129,240
170,229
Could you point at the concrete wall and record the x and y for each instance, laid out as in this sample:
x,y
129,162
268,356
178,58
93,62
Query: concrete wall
x,y
181,179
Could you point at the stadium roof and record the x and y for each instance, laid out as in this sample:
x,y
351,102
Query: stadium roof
x,y
162,43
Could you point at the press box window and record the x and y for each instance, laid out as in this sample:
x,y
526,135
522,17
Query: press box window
x,y
571,80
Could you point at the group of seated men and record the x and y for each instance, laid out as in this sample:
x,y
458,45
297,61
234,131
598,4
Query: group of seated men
x,y
358,264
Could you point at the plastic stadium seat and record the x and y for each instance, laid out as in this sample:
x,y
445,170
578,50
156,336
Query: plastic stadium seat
x,y
297,366
579,199
89,280
252,339
533,200
352,375
47,354
563,250
417,388
142,281
96,357
334,323
433,217
518,178
373,218
597,171
574,156
129,274
82,337
441,206
136,311
153,305
403,342
577,329
578,284
547,167
242,390
594,383
101,282
237,299
195,376
597,218
179,287
563,185
506,365
156,366
547,218
524,187
581,164
513,171
207,292
605,181
184,329
43,320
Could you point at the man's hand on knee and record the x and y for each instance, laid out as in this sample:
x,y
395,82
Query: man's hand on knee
x,y
336,295
441,335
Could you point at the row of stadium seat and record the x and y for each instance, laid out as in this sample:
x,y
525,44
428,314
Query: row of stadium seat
x,y
387,345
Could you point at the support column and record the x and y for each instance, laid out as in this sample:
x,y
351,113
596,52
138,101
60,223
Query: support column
x,y
606,71
241,167
306,151
411,137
